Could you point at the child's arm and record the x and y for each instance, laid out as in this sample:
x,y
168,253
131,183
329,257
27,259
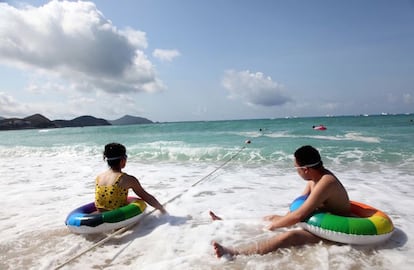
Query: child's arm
x,y
140,191
277,217
319,194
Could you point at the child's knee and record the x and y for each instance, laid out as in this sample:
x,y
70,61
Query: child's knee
x,y
297,237
288,236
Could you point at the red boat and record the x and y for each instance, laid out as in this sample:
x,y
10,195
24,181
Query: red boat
x,y
320,127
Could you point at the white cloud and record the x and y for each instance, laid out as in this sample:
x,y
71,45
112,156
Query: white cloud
x,y
165,55
408,99
45,86
75,42
9,107
100,104
330,106
136,38
254,88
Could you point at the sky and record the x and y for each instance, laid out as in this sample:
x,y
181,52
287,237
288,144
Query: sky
x,y
196,60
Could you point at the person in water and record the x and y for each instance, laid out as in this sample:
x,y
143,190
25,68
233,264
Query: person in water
x,y
111,186
325,192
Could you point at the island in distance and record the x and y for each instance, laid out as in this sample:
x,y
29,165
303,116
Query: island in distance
x,y
38,121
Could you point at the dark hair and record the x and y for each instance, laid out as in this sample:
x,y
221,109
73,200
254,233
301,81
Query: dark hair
x,y
113,154
308,155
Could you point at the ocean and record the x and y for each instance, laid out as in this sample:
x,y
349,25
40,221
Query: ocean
x,y
203,166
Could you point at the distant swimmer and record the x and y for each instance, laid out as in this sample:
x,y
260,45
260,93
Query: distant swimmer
x,y
261,131
264,131
320,127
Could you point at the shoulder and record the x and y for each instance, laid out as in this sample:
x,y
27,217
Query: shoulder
x,y
128,179
102,174
103,177
326,182
329,178
329,185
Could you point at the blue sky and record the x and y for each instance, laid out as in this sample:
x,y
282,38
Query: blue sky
x,y
188,60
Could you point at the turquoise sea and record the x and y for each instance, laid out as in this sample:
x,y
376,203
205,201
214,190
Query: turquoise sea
x,y
46,173
384,139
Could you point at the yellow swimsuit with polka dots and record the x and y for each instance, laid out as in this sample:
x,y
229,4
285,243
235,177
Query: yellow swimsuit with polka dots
x,y
110,197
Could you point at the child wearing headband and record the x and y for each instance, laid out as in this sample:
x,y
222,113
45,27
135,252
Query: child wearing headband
x,y
111,186
325,192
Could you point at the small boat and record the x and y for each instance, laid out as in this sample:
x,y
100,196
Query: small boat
x,y
320,127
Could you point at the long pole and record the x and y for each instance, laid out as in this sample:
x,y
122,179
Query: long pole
x,y
124,229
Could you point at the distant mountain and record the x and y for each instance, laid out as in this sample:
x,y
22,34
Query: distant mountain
x,y
82,121
39,121
130,120
34,121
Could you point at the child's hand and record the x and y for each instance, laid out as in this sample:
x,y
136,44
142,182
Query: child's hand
x,y
272,226
273,220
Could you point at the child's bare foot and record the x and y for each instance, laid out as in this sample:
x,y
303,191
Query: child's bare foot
x,y
222,251
214,216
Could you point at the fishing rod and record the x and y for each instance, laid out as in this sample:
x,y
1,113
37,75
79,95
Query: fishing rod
x,y
124,229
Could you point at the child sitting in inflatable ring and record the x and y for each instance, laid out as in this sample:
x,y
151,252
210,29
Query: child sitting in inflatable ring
x,y
111,186
325,192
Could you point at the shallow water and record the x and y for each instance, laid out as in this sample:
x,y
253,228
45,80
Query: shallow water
x,y
47,173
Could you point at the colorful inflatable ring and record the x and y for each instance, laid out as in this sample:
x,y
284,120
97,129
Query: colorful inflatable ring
x,y
370,226
83,220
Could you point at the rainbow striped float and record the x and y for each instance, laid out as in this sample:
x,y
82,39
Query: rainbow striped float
x,y
370,226
86,219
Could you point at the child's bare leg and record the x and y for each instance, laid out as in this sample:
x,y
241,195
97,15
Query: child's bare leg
x,y
284,240
214,216
221,251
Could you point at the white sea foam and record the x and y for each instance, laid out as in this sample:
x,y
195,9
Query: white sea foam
x,y
352,136
46,174
41,188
